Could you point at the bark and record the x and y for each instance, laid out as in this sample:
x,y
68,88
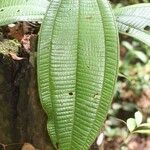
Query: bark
x,y
22,119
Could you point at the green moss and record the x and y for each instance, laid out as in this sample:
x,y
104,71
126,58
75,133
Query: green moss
x,y
7,46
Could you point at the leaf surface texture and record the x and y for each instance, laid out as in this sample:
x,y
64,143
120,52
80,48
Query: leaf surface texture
x,y
77,69
22,10
135,21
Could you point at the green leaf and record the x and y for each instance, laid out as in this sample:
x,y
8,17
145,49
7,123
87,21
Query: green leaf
x,y
133,52
142,131
148,120
77,70
135,21
6,3
143,128
144,125
22,10
123,76
138,118
131,124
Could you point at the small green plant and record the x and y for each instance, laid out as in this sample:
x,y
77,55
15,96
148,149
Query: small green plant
x,y
135,124
115,127
77,61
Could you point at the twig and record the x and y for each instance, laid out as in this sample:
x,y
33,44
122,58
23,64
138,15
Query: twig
x,y
3,145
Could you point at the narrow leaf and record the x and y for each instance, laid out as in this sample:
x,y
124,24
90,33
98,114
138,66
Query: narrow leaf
x,y
143,128
144,125
142,131
77,70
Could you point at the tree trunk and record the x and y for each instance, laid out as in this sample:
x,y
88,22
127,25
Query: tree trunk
x,y
22,119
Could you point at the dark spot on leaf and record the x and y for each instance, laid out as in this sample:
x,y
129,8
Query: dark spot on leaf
x,y
127,31
95,95
147,28
71,93
2,10
18,10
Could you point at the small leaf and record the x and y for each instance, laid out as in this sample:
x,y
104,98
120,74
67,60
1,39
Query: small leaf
x,y
143,128
131,124
138,118
148,120
121,75
100,139
31,10
140,55
145,125
143,131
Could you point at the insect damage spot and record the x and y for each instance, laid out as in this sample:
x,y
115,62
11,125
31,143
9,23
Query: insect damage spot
x,y
95,95
1,10
71,93
18,10
128,30
147,28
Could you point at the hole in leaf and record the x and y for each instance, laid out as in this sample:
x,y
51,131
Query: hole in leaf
x,y
127,31
95,95
147,28
71,93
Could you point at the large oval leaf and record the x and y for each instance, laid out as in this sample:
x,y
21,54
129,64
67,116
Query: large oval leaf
x,y
77,69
